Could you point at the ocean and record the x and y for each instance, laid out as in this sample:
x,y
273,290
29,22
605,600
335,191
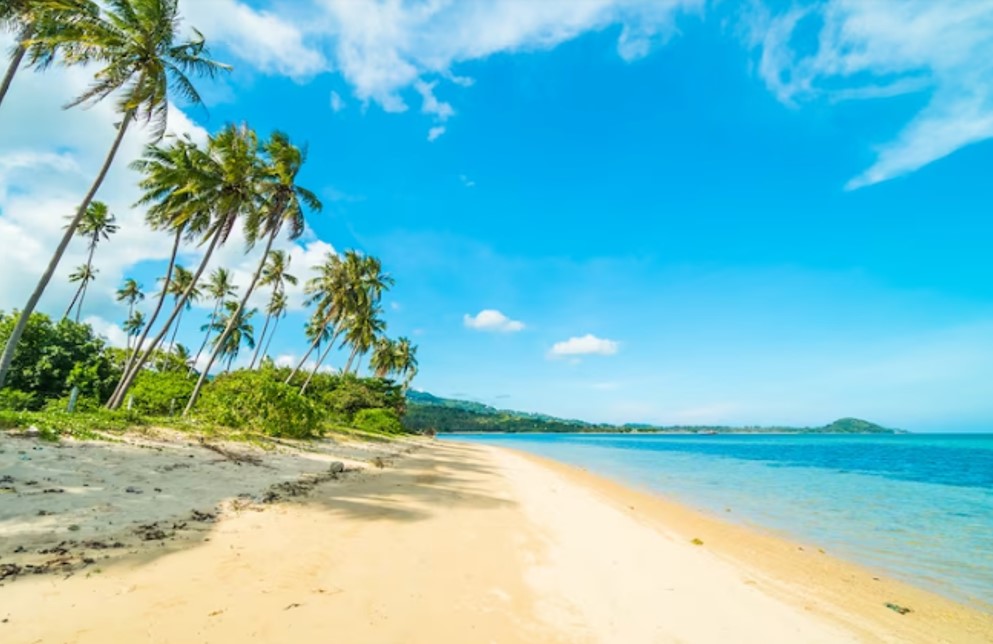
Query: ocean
x,y
917,507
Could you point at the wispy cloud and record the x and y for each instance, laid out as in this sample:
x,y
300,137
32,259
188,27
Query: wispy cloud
x,y
337,102
585,345
492,320
886,48
435,132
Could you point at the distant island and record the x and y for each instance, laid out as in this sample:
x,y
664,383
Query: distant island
x,y
445,415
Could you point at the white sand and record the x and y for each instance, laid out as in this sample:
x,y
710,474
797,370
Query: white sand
x,y
456,544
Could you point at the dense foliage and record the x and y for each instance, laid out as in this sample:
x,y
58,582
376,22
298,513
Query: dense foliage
x,y
54,357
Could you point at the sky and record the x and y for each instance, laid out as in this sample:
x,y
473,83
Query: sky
x,y
678,212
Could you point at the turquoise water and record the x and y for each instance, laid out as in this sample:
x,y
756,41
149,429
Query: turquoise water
x,y
918,507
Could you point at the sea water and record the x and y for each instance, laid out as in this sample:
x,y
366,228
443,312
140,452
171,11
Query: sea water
x,y
918,507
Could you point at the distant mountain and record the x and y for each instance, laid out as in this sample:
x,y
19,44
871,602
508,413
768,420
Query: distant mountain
x,y
426,411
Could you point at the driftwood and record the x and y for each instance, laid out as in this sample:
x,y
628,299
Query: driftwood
x,y
251,459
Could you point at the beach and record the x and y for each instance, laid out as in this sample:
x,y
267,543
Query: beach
x,y
407,541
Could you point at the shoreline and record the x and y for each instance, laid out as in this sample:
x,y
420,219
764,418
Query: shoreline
x,y
448,542
834,588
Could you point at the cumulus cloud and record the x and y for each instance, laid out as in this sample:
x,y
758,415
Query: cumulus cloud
x,y
337,102
585,345
887,48
492,320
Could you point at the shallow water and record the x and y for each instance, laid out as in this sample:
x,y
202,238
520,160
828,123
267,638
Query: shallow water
x,y
918,507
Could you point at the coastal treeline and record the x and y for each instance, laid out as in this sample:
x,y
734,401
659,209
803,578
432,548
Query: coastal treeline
x,y
426,413
200,196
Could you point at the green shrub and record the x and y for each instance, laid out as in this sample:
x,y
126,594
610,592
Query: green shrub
x,y
83,404
161,393
383,421
257,400
13,400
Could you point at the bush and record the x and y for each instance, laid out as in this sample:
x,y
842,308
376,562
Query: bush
x,y
258,400
383,421
84,404
13,400
161,393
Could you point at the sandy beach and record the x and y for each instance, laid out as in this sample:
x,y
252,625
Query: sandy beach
x,y
161,539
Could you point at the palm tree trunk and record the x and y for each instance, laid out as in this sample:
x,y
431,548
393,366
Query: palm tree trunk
x,y
206,338
73,302
86,282
303,360
151,320
15,61
175,330
317,366
22,321
231,322
147,353
258,348
348,365
265,352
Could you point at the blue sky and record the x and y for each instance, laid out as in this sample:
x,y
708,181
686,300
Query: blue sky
x,y
702,213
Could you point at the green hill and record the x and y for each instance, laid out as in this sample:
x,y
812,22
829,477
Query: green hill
x,y
445,415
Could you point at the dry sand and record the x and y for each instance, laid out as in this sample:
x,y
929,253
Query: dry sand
x,y
451,543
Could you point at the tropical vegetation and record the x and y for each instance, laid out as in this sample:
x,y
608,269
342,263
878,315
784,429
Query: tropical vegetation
x,y
201,195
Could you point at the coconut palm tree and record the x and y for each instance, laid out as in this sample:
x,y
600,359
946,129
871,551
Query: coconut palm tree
x,y
244,332
32,20
131,293
394,357
182,287
362,327
275,274
167,172
97,224
84,274
276,309
143,62
406,361
219,287
221,190
133,326
283,204
326,290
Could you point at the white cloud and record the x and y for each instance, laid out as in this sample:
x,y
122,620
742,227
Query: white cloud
x,y
886,48
435,132
431,104
492,320
114,334
585,345
466,181
267,41
337,102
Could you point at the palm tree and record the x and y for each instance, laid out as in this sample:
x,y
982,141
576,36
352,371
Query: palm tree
x,y
219,288
362,327
276,275
326,291
31,19
183,357
283,203
276,309
137,42
97,224
133,326
394,357
221,188
84,274
182,287
130,293
167,171
244,332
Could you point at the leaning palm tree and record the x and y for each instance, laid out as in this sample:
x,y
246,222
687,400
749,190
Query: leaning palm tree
x,y
244,332
133,326
131,293
84,274
406,361
32,21
167,171
97,224
182,287
220,192
143,61
275,274
276,309
219,287
283,205
362,327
